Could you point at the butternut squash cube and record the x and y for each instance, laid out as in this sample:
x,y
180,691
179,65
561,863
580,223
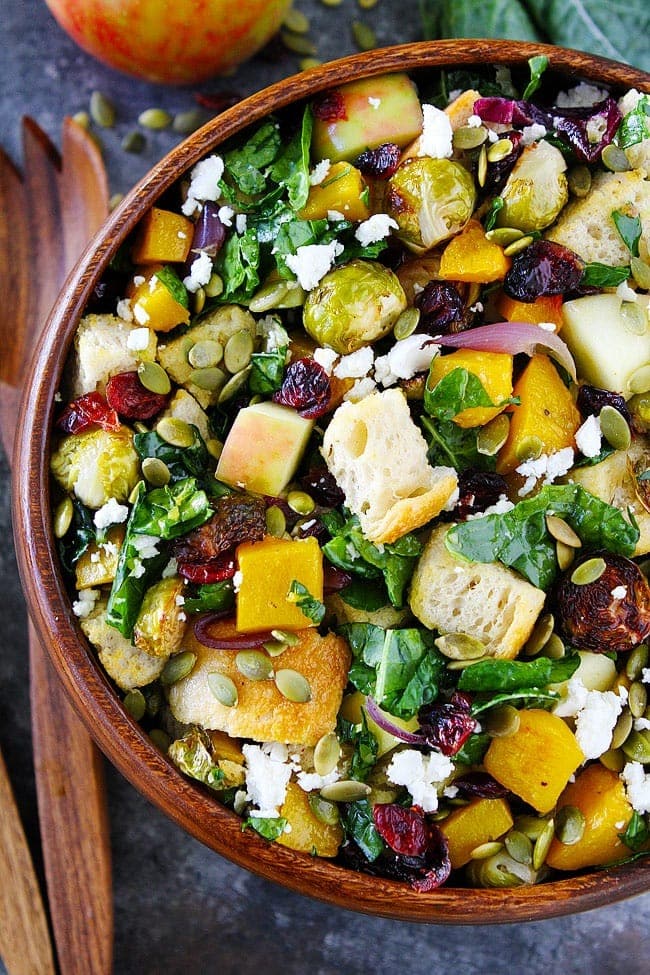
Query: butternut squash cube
x,y
546,308
481,821
537,760
546,414
600,796
471,257
308,834
267,570
154,305
341,190
163,238
494,369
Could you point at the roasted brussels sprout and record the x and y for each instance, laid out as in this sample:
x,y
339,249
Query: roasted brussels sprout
x,y
193,755
354,305
536,189
160,624
431,200
97,465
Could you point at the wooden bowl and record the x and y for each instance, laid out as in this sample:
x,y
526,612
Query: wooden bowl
x,y
186,802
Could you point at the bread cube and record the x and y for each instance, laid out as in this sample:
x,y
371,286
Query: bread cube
x,y
128,666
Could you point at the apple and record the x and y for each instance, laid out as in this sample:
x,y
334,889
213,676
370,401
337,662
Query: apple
x,y
170,41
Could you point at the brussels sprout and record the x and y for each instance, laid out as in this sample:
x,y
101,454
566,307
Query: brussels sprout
x,y
431,200
97,465
193,755
354,305
536,189
160,624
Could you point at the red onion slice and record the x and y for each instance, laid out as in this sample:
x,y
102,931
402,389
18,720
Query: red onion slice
x,y
512,338
383,722
242,641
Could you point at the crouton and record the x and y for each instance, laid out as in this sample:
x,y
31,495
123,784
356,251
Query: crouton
x,y
124,663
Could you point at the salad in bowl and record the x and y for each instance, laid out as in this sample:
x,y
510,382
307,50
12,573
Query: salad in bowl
x,y
350,476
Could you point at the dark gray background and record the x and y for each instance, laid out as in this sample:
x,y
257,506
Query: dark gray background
x,y
179,908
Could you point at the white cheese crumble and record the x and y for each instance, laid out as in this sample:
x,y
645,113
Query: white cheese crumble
x,y
312,262
619,592
241,222
84,605
374,102
641,724
111,513
575,698
589,437
625,292
237,580
406,358
180,600
596,714
423,775
308,781
547,326
325,358
548,466
140,314
532,133
319,172
139,279
362,388
123,310
204,184
637,782
498,508
273,334
146,545
138,569
170,569
225,214
629,101
582,96
474,122
437,134
200,272
335,215
355,365
267,777
138,339
375,228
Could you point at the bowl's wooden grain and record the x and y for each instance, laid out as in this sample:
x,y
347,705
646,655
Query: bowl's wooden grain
x,y
188,804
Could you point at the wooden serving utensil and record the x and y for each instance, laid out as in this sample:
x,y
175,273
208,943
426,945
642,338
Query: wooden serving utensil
x,y
50,215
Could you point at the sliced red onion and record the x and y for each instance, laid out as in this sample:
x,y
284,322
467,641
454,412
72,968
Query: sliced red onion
x,y
513,338
383,722
242,641
209,231
507,111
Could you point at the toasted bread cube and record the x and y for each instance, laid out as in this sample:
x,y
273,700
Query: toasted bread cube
x,y
128,666
267,569
102,351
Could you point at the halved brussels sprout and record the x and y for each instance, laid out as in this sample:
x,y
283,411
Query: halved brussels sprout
x,y
431,200
536,189
161,621
97,465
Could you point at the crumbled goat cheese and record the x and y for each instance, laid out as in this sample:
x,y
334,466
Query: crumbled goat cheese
x,y
582,96
641,724
124,310
274,335
625,292
474,122
335,215
225,215
498,508
619,592
308,781
547,326
180,600
138,569
138,339
325,359
204,184
374,102
355,365
111,513
452,500
589,437
595,721
319,172
84,605
637,782
375,228
629,101
237,580
548,466
109,549
312,262
140,314
477,307
267,777
406,358
170,569
146,545
645,675
532,133
362,388
181,235
200,272
422,775
436,138
241,222
574,699
139,279
94,557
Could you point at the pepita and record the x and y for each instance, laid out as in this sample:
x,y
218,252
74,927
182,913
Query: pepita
x,y
565,555
133,142
269,296
276,523
637,746
214,287
205,354
135,704
155,118
637,700
82,119
293,686
63,517
543,844
460,646
635,318
517,246
481,167
367,4
504,235
198,301
579,181
491,437
297,43
296,21
499,150
569,825
175,431
554,648
469,137
615,159
223,689
155,471
211,379
640,272
561,531
530,448
254,664
500,722
613,759
363,35
639,382
215,447
637,659
327,753
154,378
234,384
300,502
306,64
331,3
102,110
187,122
622,730
531,826
238,351
407,323
274,647
286,636
345,790
519,846
325,811
178,667
540,636
588,571
485,850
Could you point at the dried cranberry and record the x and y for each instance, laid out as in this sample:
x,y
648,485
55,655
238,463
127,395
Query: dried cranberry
x,y
421,852
321,484
214,570
305,387
237,518
380,163
88,410
329,107
591,400
477,491
217,101
128,397
335,579
404,830
441,308
543,268
498,172
479,784
447,726
312,528
438,863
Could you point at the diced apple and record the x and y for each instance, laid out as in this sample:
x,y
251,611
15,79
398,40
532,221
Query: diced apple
x,y
372,111
606,343
163,237
267,570
264,447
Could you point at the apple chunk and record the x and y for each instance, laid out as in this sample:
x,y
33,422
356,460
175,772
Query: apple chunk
x,y
263,448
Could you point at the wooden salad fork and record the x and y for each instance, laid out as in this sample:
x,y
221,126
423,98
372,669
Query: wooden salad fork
x,y
46,219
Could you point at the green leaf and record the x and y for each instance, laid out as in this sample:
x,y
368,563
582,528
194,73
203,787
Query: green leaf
x,y
213,597
174,285
454,446
457,391
359,825
245,164
492,212
637,832
367,594
237,263
310,607
513,675
170,511
364,744
630,230
538,66
474,749
269,828
182,462
526,697
79,535
267,371
602,276
494,18
291,168
519,537
635,126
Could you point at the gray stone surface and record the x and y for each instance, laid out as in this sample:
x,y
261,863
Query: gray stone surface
x,y
180,908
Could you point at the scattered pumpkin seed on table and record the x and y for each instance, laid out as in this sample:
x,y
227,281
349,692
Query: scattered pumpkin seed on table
x,y
102,110
155,118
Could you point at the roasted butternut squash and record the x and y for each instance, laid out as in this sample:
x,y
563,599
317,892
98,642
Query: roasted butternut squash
x,y
481,821
494,369
472,258
163,237
307,834
342,190
267,570
546,308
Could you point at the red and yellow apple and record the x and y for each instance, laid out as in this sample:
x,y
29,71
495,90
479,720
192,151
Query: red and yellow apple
x,y
170,41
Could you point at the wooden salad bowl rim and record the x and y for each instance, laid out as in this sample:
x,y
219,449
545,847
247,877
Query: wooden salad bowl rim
x,y
189,804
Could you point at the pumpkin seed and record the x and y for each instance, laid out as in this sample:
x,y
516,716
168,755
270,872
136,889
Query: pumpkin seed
x,y
155,118
407,323
588,571
543,844
268,296
327,753
530,448
293,686
102,110
178,667
82,119
639,382
637,700
498,871
274,647
499,150
134,493
460,646
210,379
326,812
481,168
517,246
504,235
285,636
637,659
622,730
540,636
461,664
205,354
530,826
367,4
569,825
238,351
554,648
613,759
115,201
214,287
154,378
469,137
637,746
160,739
565,555
215,447
155,471
363,35
579,180
187,122
519,846
276,523
198,301
635,318
491,438
345,790
297,43
300,502
135,704
254,664
234,384
561,531
223,689
501,722
615,159
133,142
485,850
331,3
63,517
306,64
640,272
175,431
296,21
